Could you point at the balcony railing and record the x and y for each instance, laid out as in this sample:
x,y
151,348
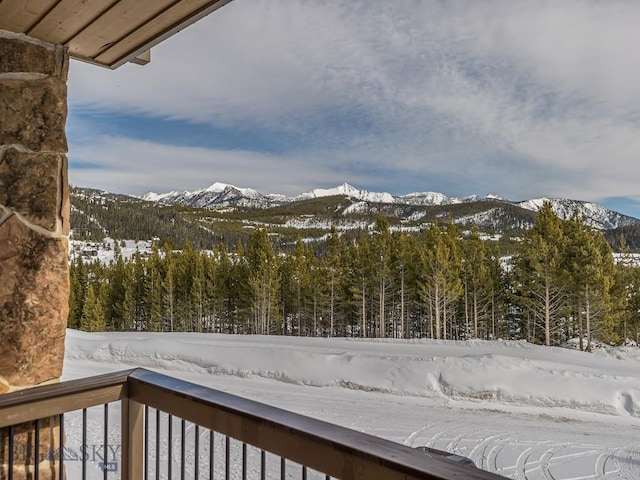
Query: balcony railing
x,y
139,424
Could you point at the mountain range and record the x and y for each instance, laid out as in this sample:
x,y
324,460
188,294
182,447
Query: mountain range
x,y
224,196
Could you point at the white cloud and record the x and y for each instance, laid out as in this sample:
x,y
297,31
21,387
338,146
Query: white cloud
x,y
527,98
136,166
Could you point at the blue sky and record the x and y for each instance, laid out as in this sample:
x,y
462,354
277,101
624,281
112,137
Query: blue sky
x,y
523,99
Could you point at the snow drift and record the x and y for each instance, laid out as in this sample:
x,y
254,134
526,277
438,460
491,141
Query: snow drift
x,y
479,374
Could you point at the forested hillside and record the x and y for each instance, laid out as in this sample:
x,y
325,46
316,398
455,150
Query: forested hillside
x,y
626,237
96,214
560,282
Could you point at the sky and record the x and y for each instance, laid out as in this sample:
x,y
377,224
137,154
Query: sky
x,y
527,99
576,415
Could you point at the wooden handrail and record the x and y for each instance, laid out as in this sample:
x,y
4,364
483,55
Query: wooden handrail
x,y
55,399
331,449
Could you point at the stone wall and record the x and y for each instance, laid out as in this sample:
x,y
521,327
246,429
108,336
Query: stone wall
x,y
34,211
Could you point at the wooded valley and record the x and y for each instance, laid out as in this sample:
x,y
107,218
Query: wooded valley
x,y
559,282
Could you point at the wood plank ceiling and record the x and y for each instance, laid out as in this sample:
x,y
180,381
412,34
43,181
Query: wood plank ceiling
x,y
105,32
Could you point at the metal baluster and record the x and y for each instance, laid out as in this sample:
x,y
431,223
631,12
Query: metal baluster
x,y
106,441
84,444
304,473
157,444
146,442
36,458
227,458
244,461
263,465
283,468
211,455
11,433
61,443
182,448
170,446
196,448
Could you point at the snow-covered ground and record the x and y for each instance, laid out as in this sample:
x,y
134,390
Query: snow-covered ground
x,y
517,409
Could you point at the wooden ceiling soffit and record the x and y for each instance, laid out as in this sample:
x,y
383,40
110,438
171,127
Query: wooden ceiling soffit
x,y
104,32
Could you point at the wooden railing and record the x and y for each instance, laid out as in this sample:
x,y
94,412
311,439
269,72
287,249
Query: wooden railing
x,y
169,428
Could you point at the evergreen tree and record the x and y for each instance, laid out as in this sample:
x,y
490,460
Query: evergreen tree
x,y
93,318
263,281
476,280
117,282
360,285
169,292
629,277
78,292
440,277
401,267
381,268
302,284
589,264
335,250
153,291
539,269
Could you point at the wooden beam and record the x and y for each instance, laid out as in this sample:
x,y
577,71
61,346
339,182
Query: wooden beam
x,y
158,29
142,59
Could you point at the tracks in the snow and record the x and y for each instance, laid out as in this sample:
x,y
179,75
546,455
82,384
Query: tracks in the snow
x,y
514,455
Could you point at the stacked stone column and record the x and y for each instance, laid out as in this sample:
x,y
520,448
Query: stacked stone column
x,y
34,217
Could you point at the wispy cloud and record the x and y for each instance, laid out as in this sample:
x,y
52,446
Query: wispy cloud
x,y
523,98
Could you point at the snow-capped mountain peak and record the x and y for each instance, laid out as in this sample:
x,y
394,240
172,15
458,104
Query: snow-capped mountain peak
x,y
427,198
217,187
225,195
216,195
595,215
493,196
160,197
349,191
220,187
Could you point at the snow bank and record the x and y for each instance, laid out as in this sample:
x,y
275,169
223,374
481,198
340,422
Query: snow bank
x,y
480,374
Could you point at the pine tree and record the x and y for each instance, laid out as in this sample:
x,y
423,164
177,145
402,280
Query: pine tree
x,y
335,249
482,278
302,284
440,277
78,291
169,293
539,269
153,290
211,287
93,319
239,305
401,266
381,268
360,264
115,291
629,276
498,291
263,275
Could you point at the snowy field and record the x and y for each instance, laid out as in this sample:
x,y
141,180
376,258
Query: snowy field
x,y
519,410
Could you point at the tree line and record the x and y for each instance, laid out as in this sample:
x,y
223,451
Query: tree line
x,y
561,283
